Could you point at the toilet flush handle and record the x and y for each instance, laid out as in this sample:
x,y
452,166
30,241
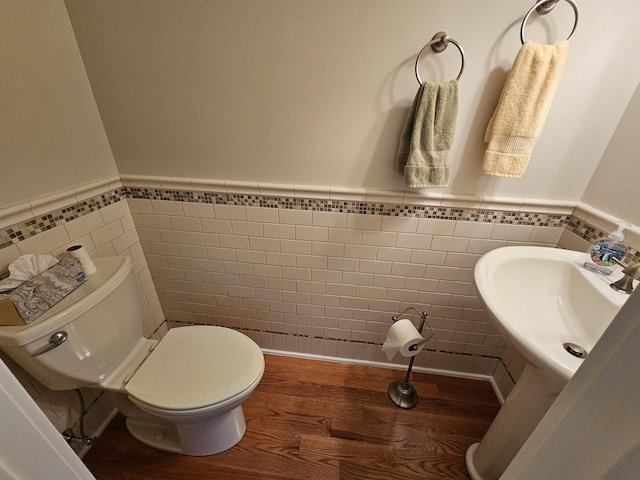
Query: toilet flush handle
x,y
56,339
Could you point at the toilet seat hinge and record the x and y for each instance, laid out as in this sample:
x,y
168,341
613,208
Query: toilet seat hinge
x,y
130,375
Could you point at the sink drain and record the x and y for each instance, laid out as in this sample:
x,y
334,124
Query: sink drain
x,y
575,350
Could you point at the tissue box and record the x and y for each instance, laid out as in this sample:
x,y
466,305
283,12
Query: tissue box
x,y
31,299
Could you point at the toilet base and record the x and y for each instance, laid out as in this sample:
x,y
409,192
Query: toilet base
x,y
197,439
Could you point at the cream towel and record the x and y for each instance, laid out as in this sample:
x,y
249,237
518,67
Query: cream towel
x,y
522,108
427,136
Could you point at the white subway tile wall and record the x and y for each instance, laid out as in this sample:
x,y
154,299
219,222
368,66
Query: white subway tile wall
x,y
326,282
320,277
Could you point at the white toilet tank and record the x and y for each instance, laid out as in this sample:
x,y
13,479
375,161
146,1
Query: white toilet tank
x,y
102,319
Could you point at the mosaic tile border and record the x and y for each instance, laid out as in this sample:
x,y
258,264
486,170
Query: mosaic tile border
x,y
355,207
39,224
42,223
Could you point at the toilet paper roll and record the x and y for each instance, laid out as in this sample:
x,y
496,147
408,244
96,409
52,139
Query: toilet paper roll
x,y
78,251
402,335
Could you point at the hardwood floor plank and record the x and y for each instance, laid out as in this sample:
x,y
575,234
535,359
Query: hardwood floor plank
x,y
302,424
264,451
451,380
321,420
384,431
432,466
440,468
457,408
433,423
454,445
471,395
305,406
330,450
381,471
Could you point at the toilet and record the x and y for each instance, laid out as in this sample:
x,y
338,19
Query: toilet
x,y
181,394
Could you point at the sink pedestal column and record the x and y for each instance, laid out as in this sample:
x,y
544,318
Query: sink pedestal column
x,y
525,406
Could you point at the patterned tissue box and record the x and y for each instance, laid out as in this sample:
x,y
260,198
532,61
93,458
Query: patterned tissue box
x,y
33,298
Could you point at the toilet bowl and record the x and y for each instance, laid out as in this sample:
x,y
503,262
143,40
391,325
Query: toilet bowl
x,y
223,365
181,394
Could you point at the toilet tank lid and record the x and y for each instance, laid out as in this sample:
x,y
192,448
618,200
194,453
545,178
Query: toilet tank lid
x,y
110,273
197,366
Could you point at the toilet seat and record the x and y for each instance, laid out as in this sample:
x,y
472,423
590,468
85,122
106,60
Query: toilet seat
x,y
197,367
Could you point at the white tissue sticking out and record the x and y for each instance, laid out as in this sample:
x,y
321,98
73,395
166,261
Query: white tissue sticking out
x,y
402,335
78,251
25,268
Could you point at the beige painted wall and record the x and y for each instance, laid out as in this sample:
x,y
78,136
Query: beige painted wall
x,y
51,135
316,91
615,183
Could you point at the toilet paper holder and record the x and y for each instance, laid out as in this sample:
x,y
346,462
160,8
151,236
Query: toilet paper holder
x,y
401,392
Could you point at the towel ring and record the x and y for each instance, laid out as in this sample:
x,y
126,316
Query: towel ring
x,y
545,6
439,43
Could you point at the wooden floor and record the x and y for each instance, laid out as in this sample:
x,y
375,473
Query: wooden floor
x,y
317,420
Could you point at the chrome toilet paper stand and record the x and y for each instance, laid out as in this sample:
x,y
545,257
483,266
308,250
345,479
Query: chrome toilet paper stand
x,y
401,392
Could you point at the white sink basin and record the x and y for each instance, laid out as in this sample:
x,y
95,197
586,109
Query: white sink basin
x,y
541,298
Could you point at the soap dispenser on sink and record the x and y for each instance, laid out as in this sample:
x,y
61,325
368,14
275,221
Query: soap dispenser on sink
x,y
605,253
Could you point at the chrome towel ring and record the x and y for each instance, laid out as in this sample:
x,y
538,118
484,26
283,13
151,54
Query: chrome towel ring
x,y
439,43
545,6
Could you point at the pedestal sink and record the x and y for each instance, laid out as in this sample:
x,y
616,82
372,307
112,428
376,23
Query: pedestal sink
x,y
552,311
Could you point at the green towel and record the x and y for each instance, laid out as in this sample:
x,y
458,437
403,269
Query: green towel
x,y
427,136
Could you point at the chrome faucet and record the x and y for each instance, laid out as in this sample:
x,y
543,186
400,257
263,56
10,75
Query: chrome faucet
x,y
631,273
